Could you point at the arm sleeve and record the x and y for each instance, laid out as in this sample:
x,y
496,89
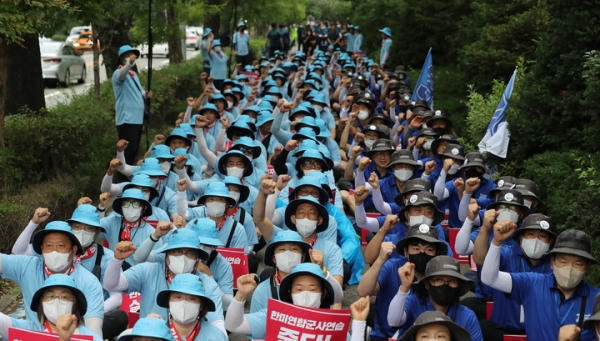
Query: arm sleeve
x,y
271,204
220,141
124,71
188,114
338,292
491,274
220,324
362,221
280,164
235,321
144,252
358,330
381,206
463,244
397,316
182,204
114,280
94,324
359,180
21,246
210,158
5,324
113,302
108,186
343,111
440,190
192,186
463,208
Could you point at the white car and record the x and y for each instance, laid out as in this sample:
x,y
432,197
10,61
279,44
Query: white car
x,y
62,64
193,38
75,32
161,49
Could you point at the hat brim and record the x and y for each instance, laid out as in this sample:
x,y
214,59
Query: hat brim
x,y
323,195
291,210
465,285
38,239
286,284
210,241
230,200
403,243
457,332
380,149
86,222
172,246
410,162
244,191
79,297
315,128
256,150
187,140
493,205
519,232
270,252
239,132
118,209
576,252
162,299
153,191
135,51
324,164
474,164
223,160
449,155
435,144
526,192
591,321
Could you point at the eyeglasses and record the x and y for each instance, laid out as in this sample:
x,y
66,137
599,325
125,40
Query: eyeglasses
x,y
247,150
79,227
312,164
436,282
510,207
381,154
304,191
192,254
61,298
135,204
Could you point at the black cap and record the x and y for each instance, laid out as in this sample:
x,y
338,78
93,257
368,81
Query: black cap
x,y
403,156
445,266
527,188
509,197
574,242
505,182
440,115
422,198
474,159
381,145
411,186
536,221
425,233
446,137
437,317
453,151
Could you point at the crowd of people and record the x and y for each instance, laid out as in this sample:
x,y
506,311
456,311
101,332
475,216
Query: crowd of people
x,y
294,156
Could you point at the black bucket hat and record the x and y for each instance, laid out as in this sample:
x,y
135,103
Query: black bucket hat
x,y
428,132
527,188
474,159
509,197
505,182
440,115
403,156
444,266
381,145
574,242
425,233
437,317
453,151
419,104
412,186
374,128
379,116
446,137
536,221
422,198
591,321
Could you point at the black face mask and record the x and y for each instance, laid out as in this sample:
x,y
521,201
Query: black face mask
x,y
420,261
444,294
473,173
439,131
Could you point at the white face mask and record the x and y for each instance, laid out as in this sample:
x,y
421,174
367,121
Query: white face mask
x,y
235,195
287,261
132,214
184,312
507,214
403,174
568,277
427,144
229,104
235,172
85,238
527,203
453,169
419,219
307,299
306,227
363,115
217,48
56,261
308,171
165,167
207,248
53,310
215,209
534,248
369,143
181,264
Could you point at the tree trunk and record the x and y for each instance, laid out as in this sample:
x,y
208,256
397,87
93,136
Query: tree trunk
x,y
24,70
175,48
113,35
3,83
214,21
96,62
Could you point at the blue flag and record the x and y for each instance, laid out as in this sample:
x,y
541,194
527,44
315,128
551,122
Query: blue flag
x,y
497,135
424,86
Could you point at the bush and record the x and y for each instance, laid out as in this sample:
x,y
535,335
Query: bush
x,y
59,37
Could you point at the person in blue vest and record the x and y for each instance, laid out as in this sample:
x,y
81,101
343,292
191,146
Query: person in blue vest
x,y
403,166
60,307
553,301
218,64
439,290
386,46
473,169
148,328
129,101
86,226
535,238
305,286
57,250
432,166
207,38
241,45
188,306
419,246
181,254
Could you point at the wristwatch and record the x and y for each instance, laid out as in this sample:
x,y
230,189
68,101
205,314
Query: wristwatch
x,y
324,270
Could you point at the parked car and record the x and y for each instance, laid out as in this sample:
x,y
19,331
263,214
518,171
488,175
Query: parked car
x,y
62,64
75,32
161,49
85,42
192,39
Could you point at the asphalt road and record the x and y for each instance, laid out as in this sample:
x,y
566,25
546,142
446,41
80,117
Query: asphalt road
x,y
55,95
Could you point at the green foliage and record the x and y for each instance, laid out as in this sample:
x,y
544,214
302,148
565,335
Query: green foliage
x,y
261,12
336,10
59,37
22,17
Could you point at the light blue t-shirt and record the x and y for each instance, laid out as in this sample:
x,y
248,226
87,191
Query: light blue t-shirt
x,y
385,51
166,200
242,43
222,273
28,273
218,65
209,332
204,53
358,40
149,279
239,239
129,99
261,296
35,325
90,263
349,41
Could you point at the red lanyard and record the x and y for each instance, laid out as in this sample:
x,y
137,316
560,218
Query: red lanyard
x,y
278,278
232,214
48,328
208,127
167,275
48,273
314,241
91,251
190,337
126,233
222,222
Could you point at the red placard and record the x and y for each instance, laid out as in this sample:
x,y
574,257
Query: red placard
x,y
252,76
238,260
16,334
131,305
290,322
